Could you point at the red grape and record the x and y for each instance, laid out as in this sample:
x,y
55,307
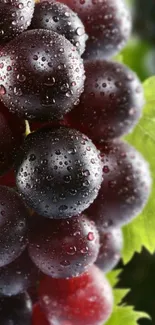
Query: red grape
x,y
59,172
85,300
61,19
125,188
107,23
15,17
38,317
63,248
17,276
42,75
112,101
12,131
111,243
13,225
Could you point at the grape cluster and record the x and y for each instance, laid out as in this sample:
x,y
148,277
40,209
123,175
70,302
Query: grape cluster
x,y
69,184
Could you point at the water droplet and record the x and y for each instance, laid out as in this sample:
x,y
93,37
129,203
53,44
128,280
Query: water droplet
x,y
2,90
90,236
65,263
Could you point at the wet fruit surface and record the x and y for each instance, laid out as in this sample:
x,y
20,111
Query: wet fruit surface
x,y
15,17
85,300
111,103
108,24
111,244
126,186
59,172
63,248
61,19
42,75
18,276
13,225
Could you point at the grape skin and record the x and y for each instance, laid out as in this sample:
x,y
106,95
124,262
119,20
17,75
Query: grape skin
x,y
85,300
63,248
15,17
111,243
59,172
111,104
18,276
38,317
13,225
61,19
42,75
107,23
125,188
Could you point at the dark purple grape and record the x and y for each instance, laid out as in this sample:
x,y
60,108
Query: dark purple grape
x,y
16,310
111,243
64,248
61,19
13,226
59,172
8,179
18,276
111,103
107,23
125,188
42,75
15,17
12,131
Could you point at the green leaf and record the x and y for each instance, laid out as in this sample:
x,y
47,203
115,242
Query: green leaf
x,y
119,294
136,55
125,315
118,58
113,277
122,314
141,232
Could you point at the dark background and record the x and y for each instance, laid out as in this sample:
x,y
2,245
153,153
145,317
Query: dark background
x,y
139,276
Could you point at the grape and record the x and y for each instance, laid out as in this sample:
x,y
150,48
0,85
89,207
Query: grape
x,y
143,19
12,130
125,189
64,248
15,17
38,317
42,75
107,23
111,243
17,276
8,179
61,19
13,226
85,300
112,101
59,172
16,310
